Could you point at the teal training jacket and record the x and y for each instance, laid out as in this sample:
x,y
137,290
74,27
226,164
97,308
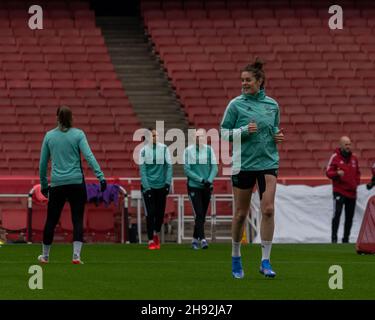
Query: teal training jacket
x,y
253,151
63,148
199,163
155,166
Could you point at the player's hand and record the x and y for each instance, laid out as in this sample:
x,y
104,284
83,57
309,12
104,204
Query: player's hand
x,y
103,185
167,188
279,136
252,127
208,185
45,192
340,173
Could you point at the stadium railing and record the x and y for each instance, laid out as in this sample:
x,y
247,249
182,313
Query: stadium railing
x,y
124,215
16,186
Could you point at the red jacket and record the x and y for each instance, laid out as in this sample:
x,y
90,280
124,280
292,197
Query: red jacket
x,y
348,183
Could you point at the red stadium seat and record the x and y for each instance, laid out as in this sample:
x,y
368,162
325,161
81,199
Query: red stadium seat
x,y
14,222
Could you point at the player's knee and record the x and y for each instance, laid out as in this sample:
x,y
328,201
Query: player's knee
x,y
268,212
240,216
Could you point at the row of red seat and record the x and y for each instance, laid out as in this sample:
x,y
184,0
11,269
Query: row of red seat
x,y
231,37
58,76
22,35
49,40
275,6
68,84
50,4
96,223
309,25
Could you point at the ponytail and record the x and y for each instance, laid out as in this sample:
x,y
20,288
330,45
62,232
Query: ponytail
x,y
64,117
256,68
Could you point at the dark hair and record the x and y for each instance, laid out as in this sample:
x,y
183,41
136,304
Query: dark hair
x,y
257,69
143,138
65,117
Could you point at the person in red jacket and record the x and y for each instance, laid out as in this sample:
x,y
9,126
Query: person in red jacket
x,y
344,172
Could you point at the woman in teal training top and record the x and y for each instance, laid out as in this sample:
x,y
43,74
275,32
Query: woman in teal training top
x,y
251,122
200,168
63,145
156,177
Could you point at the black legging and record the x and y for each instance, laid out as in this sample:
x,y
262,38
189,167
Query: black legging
x,y
154,203
75,194
200,199
339,202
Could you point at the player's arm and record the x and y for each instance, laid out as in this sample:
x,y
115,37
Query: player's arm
x,y
188,169
143,170
168,163
213,164
89,156
227,130
278,133
43,163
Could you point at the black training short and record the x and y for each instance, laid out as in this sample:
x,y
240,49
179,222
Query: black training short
x,y
247,179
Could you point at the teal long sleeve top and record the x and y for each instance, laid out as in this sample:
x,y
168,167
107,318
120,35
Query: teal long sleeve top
x,y
64,148
199,163
252,151
155,166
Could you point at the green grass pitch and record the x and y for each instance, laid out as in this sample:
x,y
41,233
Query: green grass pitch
x,y
132,272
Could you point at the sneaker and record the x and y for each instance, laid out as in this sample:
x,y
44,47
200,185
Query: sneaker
x,y
156,242
152,246
204,244
266,269
237,271
77,261
43,259
194,245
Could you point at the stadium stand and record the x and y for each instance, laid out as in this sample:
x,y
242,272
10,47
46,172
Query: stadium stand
x,y
65,63
323,79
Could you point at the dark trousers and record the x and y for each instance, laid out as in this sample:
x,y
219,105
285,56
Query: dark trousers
x,y
75,194
339,201
154,202
200,200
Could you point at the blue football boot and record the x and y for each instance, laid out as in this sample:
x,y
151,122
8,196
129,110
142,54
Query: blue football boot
x,y
266,269
204,244
237,271
195,245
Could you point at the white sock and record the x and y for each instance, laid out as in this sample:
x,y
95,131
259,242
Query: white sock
x,y
150,241
266,249
77,247
194,240
45,249
236,249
